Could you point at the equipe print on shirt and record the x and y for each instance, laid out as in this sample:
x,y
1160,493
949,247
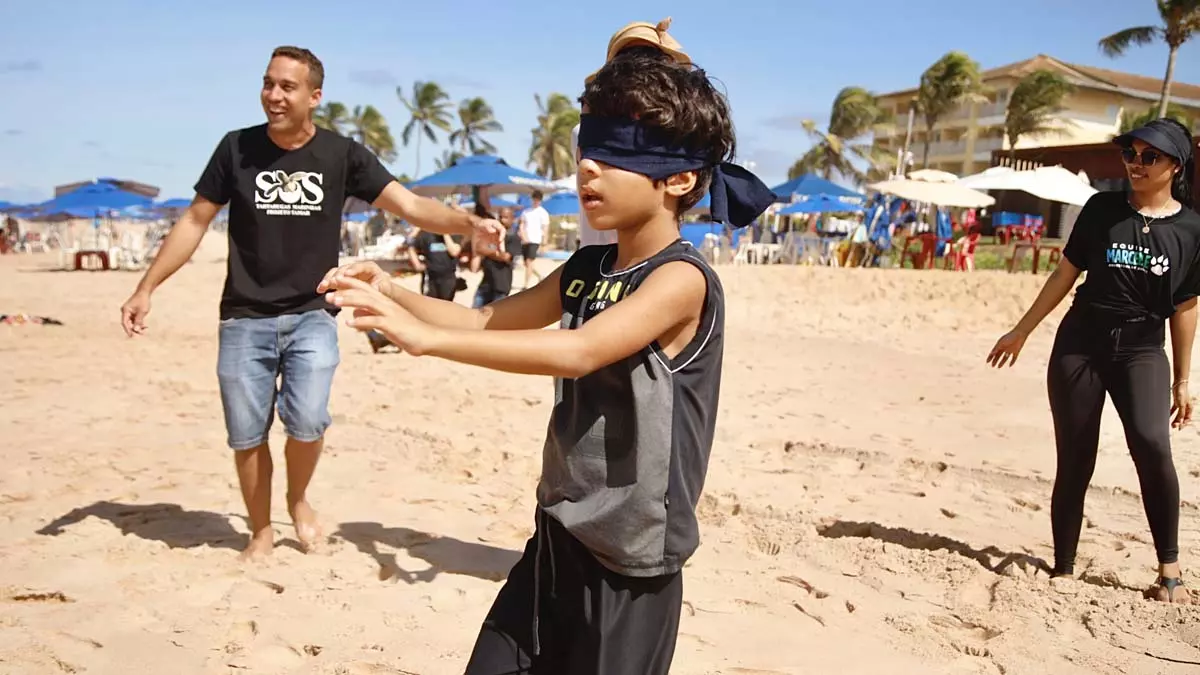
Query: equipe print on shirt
x,y
285,215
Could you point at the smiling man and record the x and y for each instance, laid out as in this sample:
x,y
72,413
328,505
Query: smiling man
x,y
285,183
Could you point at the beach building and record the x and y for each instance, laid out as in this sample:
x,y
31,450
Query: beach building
x,y
964,140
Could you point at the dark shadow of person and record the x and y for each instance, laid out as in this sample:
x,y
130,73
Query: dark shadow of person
x,y
990,558
171,524
445,555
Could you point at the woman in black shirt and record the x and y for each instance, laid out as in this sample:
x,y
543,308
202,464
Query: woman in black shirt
x,y
1141,252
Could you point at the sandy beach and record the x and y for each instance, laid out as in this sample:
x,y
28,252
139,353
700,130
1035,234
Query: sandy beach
x,y
878,498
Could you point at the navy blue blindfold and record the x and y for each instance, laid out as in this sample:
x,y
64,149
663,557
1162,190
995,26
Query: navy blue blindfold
x,y
738,196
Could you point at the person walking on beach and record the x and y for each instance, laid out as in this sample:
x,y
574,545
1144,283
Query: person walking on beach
x,y
532,227
497,265
285,183
1141,252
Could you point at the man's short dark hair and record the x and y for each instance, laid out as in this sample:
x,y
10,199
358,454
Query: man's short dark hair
x,y
678,99
316,71
536,194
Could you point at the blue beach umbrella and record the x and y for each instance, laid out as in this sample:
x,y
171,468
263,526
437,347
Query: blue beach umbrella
x,y
562,204
820,204
495,204
177,203
810,185
91,200
480,171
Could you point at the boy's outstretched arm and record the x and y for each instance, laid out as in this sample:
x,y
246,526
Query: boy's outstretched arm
x,y
532,308
671,297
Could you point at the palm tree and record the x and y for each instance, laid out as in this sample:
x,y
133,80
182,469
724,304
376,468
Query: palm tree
x,y
371,129
951,81
1131,122
854,113
1180,22
476,117
1034,102
447,160
332,116
430,110
551,152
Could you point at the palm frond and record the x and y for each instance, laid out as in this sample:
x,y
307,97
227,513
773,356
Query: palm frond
x,y
1115,45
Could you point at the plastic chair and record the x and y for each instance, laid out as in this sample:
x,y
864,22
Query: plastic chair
x,y
962,257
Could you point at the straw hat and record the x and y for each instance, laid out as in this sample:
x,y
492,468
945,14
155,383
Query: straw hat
x,y
642,33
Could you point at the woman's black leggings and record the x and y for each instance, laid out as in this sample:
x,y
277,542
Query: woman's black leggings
x,y
1127,360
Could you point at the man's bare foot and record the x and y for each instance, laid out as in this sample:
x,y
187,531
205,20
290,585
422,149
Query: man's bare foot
x,y
260,546
308,528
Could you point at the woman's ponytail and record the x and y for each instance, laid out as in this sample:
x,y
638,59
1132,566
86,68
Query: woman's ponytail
x,y
1185,178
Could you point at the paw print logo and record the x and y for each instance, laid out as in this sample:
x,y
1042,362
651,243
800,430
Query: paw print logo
x,y
1159,265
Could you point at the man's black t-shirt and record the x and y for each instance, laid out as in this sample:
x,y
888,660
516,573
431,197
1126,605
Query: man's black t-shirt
x,y
497,274
1132,274
438,261
285,215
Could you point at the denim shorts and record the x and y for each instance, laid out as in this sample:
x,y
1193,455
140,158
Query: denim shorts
x,y
300,351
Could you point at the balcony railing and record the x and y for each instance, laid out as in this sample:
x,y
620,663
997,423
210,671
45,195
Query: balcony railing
x,y
943,148
996,109
988,144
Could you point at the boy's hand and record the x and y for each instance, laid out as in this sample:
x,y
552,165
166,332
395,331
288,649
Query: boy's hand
x,y
366,271
488,232
375,311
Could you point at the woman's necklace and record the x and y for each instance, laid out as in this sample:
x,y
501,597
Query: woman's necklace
x,y
1168,209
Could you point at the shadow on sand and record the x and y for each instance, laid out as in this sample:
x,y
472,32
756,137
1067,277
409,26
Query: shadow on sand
x,y
991,558
171,524
445,555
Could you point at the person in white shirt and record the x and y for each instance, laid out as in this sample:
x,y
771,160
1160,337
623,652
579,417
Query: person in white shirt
x,y
532,230
633,36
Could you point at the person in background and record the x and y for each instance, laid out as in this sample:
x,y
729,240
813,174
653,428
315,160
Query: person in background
x,y
435,255
532,230
497,265
1141,252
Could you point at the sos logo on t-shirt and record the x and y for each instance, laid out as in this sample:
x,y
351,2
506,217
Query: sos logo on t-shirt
x,y
278,193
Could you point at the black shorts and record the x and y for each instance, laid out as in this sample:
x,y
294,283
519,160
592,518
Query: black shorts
x,y
441,286
590,620
529,251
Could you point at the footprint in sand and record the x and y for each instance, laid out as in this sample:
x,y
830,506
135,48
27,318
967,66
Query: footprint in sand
x,y
1026,504
965,636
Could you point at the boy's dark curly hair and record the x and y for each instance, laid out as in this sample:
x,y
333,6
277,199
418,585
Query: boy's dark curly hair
x,y
677,99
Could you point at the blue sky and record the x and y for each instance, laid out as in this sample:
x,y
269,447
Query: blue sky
x,y
144,90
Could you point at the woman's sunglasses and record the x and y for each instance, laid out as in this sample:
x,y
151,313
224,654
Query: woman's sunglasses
x,y
1148,157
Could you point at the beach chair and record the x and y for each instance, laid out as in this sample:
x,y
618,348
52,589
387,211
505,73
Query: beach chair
x,y
922,255
961,257
742,255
